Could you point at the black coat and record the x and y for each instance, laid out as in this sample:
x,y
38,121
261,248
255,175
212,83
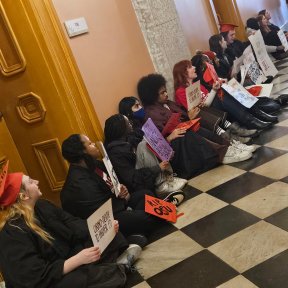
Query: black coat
x,y
84,192
30,262
123,159
225,66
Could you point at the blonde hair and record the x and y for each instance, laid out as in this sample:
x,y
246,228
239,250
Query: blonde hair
x,y
19,209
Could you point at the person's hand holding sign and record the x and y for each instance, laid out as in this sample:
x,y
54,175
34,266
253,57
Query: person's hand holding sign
x,y
178,132
116,226
216,86
192,113
124,193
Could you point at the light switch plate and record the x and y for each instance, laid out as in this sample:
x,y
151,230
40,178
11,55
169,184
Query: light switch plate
x,y
76,26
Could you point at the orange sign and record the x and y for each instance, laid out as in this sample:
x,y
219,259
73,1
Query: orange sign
x,y
160,208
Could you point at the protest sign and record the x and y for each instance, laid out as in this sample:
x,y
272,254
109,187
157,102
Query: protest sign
x,y
283,39
236,66
265,91
240,93
101,226
193,95
160,208
156,140
113,177
262,56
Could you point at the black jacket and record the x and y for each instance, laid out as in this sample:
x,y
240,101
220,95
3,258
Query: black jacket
x,y
84,192
123,159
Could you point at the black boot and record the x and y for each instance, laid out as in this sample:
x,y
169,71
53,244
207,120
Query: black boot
x,y
263,116
268,105
252,122
282,99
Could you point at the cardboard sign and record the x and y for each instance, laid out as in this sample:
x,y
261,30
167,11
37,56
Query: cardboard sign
x,y
193,95
283,39
156,140
113,177
101,226
236,66
262,56
239,93
160,208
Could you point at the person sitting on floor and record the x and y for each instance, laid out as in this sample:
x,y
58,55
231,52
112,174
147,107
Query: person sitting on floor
x,y
166,181
123,158
195,151
46,248
87,187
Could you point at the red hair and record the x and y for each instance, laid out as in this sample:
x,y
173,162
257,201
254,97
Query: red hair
x,y
180,73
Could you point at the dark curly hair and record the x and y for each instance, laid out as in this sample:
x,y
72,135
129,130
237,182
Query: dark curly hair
x,y
214,43
115,128
148,88
125,106
73,151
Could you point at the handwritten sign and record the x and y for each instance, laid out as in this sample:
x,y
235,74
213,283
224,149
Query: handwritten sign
x,y
262,56
236,66
193,95
113,177
240,93
283,39
156,140
101,226
160,208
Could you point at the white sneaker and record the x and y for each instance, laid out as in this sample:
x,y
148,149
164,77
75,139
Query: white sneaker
x,y
171,184
176,198
235,155
243,147
130,255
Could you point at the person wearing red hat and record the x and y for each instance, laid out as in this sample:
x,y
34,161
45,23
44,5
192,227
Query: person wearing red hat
x,y
235,48
37,237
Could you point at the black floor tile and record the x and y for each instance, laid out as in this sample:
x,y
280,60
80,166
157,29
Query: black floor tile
x,y
279,219
285,180
270,274
219,225
191,192
260,156
162,231
271,134
202,270
133,279
239,187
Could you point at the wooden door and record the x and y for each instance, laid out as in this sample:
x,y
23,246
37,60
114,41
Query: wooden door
x,y
42,96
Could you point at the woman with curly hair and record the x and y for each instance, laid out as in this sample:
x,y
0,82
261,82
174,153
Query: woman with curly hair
x,y
195,152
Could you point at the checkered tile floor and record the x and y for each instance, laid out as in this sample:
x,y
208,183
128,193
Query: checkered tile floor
x,y
234,231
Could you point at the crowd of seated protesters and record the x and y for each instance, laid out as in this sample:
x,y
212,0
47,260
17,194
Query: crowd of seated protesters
x,y
46,246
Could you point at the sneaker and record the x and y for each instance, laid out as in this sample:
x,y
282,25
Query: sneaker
x,y
130,255
235,128
229,136
171,184
234,155
138,239
176,198
243,147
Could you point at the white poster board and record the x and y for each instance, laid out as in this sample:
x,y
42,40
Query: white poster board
x,y
283,39
240,93
236,66
111,172
193,95
101,226
262,56
265,91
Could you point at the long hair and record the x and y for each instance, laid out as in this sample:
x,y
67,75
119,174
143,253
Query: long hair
x,y
180,73
73,151
115,128
214,44
18,210
148,88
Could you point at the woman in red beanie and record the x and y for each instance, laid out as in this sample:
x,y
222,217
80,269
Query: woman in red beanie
x,y
31,256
